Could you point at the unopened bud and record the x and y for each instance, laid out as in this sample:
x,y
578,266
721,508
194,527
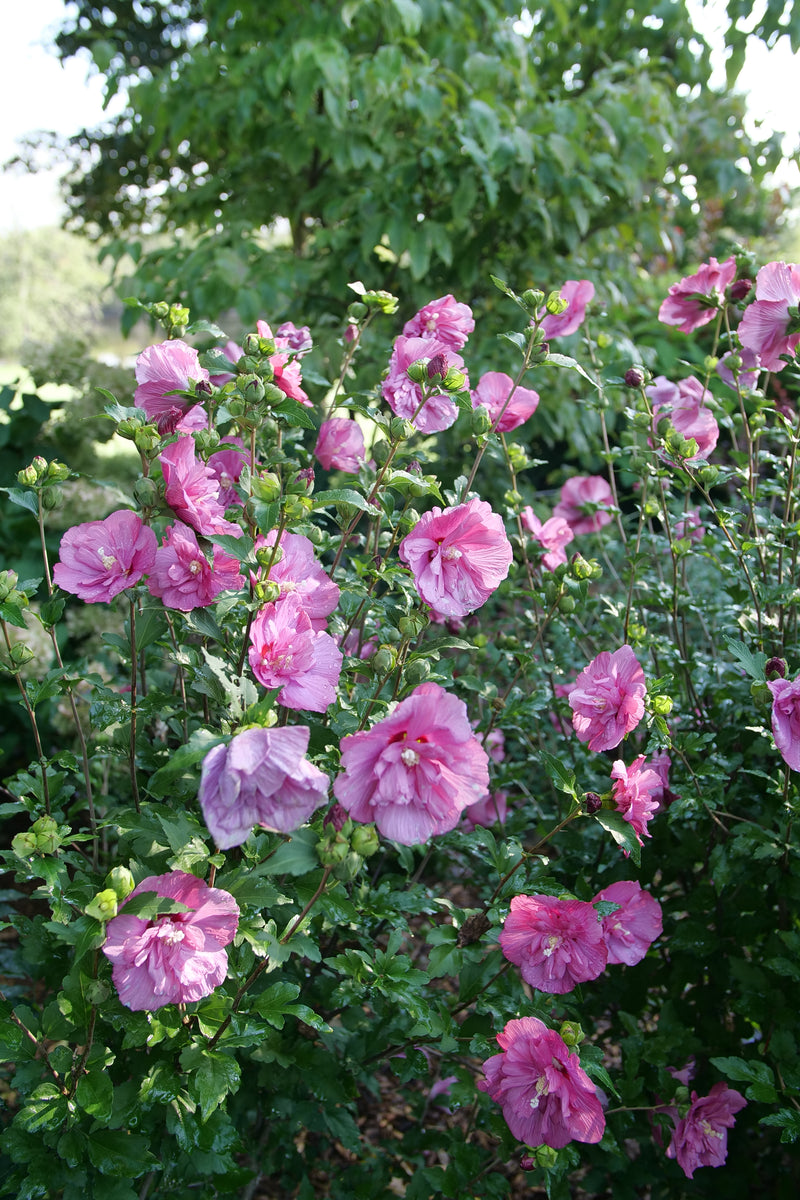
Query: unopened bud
x,y
52,497
303,482
267,591
24,844
97,992
266,487
571,1033
146,439
546,1157
400,429
532,299
145,492
250,345
380,451
634,377
384,660
27,477
295,508
437,367
417,671
556,304
8,584
120,881
20,655
592,803
417,372
579,567
412,625
349,867
776,668
661,705
103,906
480,420
251,388
740,288
365,840
454,380
566,605
384,301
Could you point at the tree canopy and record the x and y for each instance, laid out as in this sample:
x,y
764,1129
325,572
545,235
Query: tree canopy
x,y
269,154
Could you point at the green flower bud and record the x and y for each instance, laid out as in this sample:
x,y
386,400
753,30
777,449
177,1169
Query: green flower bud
x,y
708,475
349,867
412,625
517,456
40,466
641,420
710,363
365,840
417,372
120,881
145,492
27,477
761,695
58,472
267,591
400,429
580,568
251,388
661,705
48,842
555,304
333,848
566,605
24,844
295,508
571,1033
8,584
206,441
146,439
103,906
546,1157
480,420
356,312
533,299
45,825
251,345
266,487
52,497
380,452
454,380
273,394
384,660
20,655
384,301
160,310
417,671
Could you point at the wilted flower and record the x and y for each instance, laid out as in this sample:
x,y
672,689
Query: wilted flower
x,y
261,777
767,327
607,698
555,943
414,772
182,576
546,1096
174,958
578,293
286,652
696,299
99,559
701,1137
445,320
630,931
340,445
493,391
170,367
459,556
584,503
553,536
404,396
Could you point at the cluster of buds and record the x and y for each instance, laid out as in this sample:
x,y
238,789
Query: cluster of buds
x,y
343,845
43,837
436,372
173,317
43,477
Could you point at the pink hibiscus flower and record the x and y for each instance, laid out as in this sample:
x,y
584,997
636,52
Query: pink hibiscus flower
x,y
579,293
415,771
261,777
630,931
160,370
99,559
607,698
295,337
226,465
546,1096
698,298
183,577
459,556
490,811
701,1137
287,373
553,536
786,719
191,489
769,328
584,504
684,404
299,574
555,943
445,320
404,396
340,445
637,793
493,391
174,958
287,653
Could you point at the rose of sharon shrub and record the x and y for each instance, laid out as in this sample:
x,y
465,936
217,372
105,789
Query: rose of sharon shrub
x,y
183,577
607,698
546,1096
458,556
100,559
415,771
555,943
177,957
701,1137
261,777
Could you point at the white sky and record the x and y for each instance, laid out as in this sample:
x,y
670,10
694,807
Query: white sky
x,y
37,92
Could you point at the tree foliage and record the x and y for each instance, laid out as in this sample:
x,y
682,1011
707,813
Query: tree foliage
x,y
417,143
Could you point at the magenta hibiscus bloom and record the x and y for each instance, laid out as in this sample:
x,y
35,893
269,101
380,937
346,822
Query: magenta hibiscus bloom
x,y
584,504
444,320
175,958
553,536
701,1137
607,698
637,794
493,392
299,574
340,445
294,337
287,653
99,559
786,719
261,777
767,327
555,943
415,771
404,396
160,370
546,1096
458,556
287,374
630,931
183,577
698,298
685,405
579,292
192,489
